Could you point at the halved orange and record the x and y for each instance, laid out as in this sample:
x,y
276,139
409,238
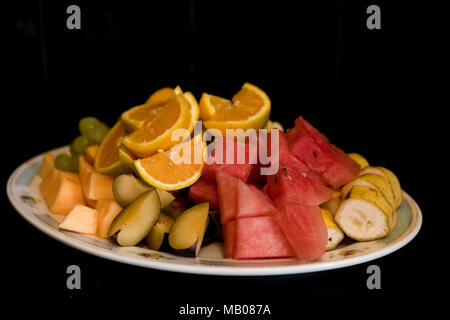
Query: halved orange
x,y
249,108
164,172
107,157
158,126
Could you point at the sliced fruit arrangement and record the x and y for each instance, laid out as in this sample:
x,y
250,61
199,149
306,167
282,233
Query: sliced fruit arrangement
x,y
128,184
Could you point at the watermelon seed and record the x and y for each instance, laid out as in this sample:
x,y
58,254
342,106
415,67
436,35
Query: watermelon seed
x,y
286,173
315,153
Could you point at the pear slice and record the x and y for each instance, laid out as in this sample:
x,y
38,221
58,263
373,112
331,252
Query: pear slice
x,y
159,231
391,177
127,187
186,235
134,222
362,220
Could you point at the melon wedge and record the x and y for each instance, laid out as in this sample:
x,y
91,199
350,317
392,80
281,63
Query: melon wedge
x,y
107,211
96,186
81,219
48,163
62,191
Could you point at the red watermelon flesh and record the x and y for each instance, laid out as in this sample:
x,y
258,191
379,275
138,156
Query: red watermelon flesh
x,y
202,191
260,237
238,199
227,187
308,145
228,238
246,171
252,202
297,187
305,230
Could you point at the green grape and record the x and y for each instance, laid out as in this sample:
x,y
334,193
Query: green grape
x,y
88,124
99,133
63,162
78,145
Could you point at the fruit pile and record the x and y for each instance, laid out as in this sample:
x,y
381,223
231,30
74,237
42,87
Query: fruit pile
x,y
123,183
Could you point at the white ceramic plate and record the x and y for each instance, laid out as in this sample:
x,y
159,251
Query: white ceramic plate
x,y
23,193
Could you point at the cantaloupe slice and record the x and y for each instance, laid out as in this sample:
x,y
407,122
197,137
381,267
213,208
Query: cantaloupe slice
x,y
48,163
81,219
95,186
63,192
49,181
107,211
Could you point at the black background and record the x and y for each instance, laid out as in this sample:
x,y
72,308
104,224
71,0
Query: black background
x,y
364,89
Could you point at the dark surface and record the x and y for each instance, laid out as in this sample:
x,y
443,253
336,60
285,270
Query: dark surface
x,y
364,89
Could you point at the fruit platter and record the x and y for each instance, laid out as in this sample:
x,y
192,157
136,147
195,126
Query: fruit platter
x,y
214,187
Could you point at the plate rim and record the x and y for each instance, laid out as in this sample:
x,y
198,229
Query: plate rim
x,y
211,269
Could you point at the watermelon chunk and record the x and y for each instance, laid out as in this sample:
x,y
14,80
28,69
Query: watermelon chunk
x,y
307,144
296,180
227,193
305,230
260,237
252,202
248,171
228,238
202,191
240,200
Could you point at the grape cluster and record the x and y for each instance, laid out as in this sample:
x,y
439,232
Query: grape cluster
x,y
92,132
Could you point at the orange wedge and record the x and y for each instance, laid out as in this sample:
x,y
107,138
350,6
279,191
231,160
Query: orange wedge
x,y
249,108
107,156
164,172
160,95
157,127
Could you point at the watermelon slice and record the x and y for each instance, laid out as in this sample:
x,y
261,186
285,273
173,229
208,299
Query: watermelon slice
x,y
227,193
239,200
291,186
248,171
202,191
307,144
260,237
305,230
228,238
252,202
296,180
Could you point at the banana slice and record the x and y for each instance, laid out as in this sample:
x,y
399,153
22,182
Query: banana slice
x,y
333,204
374,196
362,220
273,124
391,177
373,181
359,159
335,235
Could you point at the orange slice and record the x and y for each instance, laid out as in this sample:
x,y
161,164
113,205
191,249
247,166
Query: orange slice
x,y
157,128
107,156
160,95
249,108
164,172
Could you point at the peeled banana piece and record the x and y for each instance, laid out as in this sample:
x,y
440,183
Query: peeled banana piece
x,y
362,220
335,234
333,203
